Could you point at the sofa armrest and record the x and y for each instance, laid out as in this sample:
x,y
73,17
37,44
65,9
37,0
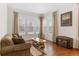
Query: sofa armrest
x,y
14,48
7,49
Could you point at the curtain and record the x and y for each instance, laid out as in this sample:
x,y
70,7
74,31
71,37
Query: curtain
x,y
55,25
15,23
41,27
78,27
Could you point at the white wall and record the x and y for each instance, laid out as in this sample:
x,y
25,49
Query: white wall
x,y
10,20
3,19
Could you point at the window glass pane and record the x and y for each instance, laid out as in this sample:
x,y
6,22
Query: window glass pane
x,y
47,25
22,25
33,27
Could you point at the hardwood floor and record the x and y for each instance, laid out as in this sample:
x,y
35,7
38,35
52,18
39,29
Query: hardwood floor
x,y
51,49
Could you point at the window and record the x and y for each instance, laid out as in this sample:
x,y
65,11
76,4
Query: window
x,y
33,27
47,28
29,26
22,25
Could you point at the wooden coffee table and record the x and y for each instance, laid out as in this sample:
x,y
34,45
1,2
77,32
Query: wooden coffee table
x,y
39,45
38,48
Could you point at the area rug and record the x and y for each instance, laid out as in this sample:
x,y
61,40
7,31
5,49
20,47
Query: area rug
x,y
36,52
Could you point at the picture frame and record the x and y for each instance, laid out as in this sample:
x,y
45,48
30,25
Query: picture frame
x,y
66,19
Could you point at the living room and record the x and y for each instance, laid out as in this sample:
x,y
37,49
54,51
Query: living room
x,y
41,21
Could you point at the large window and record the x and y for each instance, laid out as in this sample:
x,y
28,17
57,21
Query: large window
x,y
29,26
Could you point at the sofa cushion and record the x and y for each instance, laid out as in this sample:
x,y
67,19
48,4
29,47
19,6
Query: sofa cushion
x,y
15,36
18,40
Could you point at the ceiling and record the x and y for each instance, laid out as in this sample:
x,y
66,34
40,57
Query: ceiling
x,y
38,7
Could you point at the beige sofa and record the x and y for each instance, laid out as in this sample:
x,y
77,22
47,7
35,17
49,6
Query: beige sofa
x,y
9,48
